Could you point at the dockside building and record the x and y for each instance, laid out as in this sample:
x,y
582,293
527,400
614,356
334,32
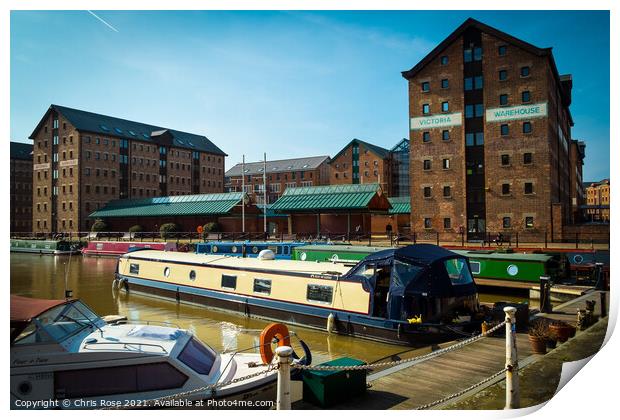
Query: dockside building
x,y
83,160
21,187
490,137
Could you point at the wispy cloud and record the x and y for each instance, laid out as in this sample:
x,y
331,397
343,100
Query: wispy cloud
x,y
103,21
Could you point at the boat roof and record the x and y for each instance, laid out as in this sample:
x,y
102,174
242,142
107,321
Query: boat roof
x,y
342,248
23,308
133,337
309,267
486,255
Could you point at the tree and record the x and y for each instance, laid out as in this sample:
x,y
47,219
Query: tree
x,y
167,229
99,226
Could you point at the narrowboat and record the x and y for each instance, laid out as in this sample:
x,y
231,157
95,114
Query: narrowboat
x,y
582,264
51,247
64,356
527,268
488,267
347,254
118,248
282,250
418,294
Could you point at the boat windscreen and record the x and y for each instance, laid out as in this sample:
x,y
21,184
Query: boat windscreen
x,y
404,274
58,323
458,271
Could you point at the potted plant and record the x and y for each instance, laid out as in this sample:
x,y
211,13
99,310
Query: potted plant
x,y
538,334
561,330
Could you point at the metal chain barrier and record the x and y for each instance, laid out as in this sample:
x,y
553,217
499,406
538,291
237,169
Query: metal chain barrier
x,y
399,362
462,392
211,388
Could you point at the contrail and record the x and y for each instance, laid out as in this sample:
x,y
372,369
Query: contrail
x,y
103,21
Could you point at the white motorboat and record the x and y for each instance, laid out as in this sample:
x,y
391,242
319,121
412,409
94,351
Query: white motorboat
x,y
63,355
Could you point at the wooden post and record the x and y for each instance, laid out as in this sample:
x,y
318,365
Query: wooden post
x,y
512,363
283,357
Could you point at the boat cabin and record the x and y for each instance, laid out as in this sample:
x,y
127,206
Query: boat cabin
x,y
418,283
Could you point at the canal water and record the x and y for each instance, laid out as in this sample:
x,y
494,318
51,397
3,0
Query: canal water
x,y
90,279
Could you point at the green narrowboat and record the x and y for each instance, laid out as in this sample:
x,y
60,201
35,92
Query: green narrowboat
x,y
526,268
492,268
44,246
346,254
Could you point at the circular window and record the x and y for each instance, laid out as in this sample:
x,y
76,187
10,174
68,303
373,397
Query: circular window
x,y
192,275
234,249
166,271
512,270
334,257
25,388
254,250
302,256
578,259
214,249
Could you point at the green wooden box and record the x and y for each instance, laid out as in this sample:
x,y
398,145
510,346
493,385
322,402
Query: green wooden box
x,y
326,388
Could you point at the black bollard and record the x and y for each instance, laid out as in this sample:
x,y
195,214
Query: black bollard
x,y
544,291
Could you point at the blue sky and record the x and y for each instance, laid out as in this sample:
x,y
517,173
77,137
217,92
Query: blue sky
x,y
288,83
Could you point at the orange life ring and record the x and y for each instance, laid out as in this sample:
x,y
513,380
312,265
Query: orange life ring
x,y
271,331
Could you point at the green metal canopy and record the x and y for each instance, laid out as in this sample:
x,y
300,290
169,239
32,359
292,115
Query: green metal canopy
x,y
178,205
332,197
400,205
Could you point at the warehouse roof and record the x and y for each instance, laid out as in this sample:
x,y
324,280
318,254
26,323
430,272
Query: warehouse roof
x,y
21,151
178,205
283,165
377,150
400,205
364,197
118,127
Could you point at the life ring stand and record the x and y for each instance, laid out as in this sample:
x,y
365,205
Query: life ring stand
x,y
269,333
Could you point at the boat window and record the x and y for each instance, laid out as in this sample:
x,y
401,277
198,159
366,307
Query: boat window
x,y
214,249
197,356
254,250
458,271
262,286
475,267
229,282
279,250
116,380
167,272
233,249
99,247
58,324
286,250
366,270
405,272
134,268
192,275
319,293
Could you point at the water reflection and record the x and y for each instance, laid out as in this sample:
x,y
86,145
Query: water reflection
x,y
91,281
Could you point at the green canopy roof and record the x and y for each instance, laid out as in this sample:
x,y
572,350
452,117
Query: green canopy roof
x,y
332,197
178,205
400,205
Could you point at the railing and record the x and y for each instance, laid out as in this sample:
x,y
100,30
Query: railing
x,y
506,239
126,346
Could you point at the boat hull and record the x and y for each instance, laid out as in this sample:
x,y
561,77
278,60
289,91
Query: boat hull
x,y
378,329
118,248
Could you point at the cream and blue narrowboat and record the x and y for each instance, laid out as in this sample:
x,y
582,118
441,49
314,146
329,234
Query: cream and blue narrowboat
x,y
413,295
282,250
